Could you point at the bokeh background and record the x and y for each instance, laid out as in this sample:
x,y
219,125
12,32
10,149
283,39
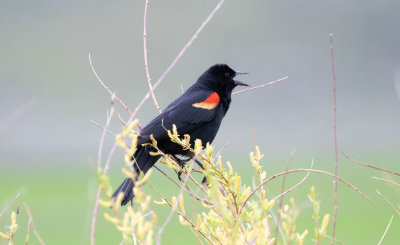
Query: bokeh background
x,y
48,148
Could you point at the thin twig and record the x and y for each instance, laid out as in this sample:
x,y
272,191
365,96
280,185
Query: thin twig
x,y
278,219
99,155
17,113
260,86
388,202
301,170
146,64
284,193
180,168
295,186
103,128
96,207
181,214
133,115
335,209
9,204
174,208
336,240
32,224
119,119
94,217
368,165
197,236
280,228
388,181
387,228
109,91
108,162
177,58
189,191
182,90
103,135
220,151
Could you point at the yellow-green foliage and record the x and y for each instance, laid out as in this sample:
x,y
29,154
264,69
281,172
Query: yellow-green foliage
x,y
320,230
9,235
136,223
232,213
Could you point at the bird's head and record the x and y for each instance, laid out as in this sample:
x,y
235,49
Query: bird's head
x,y
220,78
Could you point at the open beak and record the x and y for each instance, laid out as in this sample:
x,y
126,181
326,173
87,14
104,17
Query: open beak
x,y
240,73
237,83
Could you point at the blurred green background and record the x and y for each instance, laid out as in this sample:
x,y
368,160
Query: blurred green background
x,y
48,149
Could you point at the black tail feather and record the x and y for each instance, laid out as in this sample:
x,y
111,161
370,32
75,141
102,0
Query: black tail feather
x,y
126,188
142,162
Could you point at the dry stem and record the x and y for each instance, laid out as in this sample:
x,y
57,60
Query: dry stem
x,y
188,190
388,202
174,208
9,204
295,186
335,209
146,65
103,128
99,155
368,165
388,181
32,224
387,228
260,86
177,58
184,216
108,90
278,226
17,113
301,170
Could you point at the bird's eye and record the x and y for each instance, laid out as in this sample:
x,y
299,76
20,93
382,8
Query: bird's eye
x,y
227,75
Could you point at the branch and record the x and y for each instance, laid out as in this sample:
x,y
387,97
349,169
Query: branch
x,y
146,65
388,181
103,135
99,155
301,170
369,166
278,227
177,58
260,86
174,208
120,120
180,168
189,191
220,151
17,113
181,214
9,204
109,91
335,209
387,228
295,186
104,129
32,224
388,202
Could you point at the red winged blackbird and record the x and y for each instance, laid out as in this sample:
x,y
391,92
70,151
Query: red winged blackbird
x,y
197,112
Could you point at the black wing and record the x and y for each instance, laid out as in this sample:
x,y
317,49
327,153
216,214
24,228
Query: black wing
x,y
183,114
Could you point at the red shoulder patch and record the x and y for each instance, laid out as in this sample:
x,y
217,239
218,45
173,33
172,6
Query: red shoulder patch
x,y
210,103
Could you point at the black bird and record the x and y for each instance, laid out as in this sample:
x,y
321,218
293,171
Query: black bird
x,y
197,112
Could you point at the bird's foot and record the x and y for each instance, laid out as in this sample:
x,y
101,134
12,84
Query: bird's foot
x,y
179,173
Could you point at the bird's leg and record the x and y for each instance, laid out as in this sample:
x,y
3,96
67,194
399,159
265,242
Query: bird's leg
x,y
181,164
198,163
204,181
